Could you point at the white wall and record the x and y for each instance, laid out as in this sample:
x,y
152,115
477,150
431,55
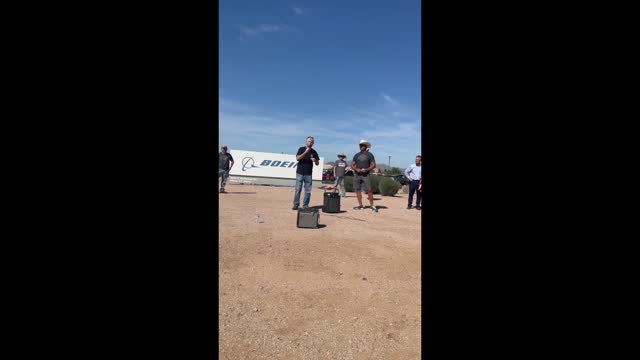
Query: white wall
x,y
261,164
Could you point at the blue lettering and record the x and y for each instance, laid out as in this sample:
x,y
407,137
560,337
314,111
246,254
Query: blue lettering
x,y
284,164
265,163
276,163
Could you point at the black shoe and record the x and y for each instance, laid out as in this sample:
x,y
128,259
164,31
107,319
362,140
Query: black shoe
x,y
294,207
359,207
418,208
222,192
408,207
375,209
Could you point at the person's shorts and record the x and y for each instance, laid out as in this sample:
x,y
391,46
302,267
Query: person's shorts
x,y
361,183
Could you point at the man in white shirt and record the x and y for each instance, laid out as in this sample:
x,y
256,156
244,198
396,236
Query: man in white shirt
x,y
414,174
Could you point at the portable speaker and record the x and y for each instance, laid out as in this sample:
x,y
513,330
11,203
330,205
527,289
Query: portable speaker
x,y
331,202
308,218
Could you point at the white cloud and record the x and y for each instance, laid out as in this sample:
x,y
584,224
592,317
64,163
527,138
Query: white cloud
x,y
249,127
396,131
226,105
248,31
270,28
389,99
297,10
365,112
264,28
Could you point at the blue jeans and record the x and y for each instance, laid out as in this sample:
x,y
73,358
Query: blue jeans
x,y
307,190
225,176
413,188
340,181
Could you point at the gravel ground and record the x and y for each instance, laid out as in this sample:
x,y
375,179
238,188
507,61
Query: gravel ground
x,y
349,290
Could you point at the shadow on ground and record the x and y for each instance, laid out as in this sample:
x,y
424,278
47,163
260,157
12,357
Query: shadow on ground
x,y
320,226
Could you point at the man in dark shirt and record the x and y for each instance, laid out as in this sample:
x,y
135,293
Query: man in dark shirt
x,y
306,157
338,172
225,163
362,164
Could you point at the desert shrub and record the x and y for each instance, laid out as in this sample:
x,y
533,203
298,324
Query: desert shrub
x,y
394,171
388,186
348,183
375,181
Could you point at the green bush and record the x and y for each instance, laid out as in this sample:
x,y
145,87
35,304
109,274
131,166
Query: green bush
x,y
375,181
394,171
348,183
388,186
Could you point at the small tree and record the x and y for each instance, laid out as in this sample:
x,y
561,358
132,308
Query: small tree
x,y
348,183
394,171
389,187
375,181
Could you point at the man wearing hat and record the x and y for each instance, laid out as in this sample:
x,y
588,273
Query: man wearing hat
x,y
306,157
338,172
362,164
225,163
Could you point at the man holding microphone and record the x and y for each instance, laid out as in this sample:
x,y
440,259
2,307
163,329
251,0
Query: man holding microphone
x,y
306,157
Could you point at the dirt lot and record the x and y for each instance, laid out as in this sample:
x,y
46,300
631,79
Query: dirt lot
x,y
348,290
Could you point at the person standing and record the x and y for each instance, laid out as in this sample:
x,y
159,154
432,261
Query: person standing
x,y
414,174
306,157
362,164
339,172
225,163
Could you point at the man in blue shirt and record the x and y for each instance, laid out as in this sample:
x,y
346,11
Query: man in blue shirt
x,y
414,174
225,163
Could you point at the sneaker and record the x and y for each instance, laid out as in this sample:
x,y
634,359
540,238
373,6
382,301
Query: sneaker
x,y
408,207
359,207
305,207
295,207
375,209
418,208
222,191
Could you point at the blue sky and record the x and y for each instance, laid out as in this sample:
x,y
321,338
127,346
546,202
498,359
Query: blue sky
x,y
340,71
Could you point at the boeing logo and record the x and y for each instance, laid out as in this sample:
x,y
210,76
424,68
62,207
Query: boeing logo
x,y
278,163
248,163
